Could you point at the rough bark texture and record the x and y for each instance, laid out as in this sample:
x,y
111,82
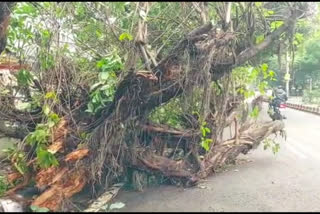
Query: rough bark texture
x,y
4,22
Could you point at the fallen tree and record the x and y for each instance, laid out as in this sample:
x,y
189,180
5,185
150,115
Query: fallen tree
x,y
123,138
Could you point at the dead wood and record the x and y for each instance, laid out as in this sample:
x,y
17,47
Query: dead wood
x,y
230,149
104,198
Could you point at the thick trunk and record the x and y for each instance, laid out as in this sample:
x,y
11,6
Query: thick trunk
x,y
4,22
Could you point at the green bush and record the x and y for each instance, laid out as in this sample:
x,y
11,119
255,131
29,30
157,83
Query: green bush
x,y
3,185
312,97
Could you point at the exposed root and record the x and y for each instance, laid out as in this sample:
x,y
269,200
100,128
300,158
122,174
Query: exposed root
x,y
230,149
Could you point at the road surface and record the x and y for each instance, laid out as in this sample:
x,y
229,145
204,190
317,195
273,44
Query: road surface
x,y
287,181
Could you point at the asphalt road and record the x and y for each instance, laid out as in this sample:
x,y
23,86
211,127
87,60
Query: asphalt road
x,y
287,181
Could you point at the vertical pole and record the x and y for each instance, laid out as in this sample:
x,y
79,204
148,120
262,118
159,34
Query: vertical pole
x,y
287,71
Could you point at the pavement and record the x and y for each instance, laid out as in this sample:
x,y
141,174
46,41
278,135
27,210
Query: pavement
x,y
287,181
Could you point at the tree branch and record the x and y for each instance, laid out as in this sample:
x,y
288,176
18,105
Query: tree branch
x,y
251,52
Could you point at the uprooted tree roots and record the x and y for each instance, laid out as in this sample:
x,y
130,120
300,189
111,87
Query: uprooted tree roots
x,y
124,139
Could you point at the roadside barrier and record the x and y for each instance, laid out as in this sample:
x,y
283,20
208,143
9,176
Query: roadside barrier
x,y
300,107
314,110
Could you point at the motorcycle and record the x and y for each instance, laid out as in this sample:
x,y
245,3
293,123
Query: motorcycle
x,y
276,109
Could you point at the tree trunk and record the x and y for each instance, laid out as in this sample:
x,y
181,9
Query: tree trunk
x,y
4,22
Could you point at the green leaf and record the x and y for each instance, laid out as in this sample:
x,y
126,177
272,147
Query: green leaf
x,y
51,124
46,159
276,24
99,34
262,87
203,132
50,95
124,36
264,67
275,148
270,12
90,108
259,39
255,112
46,109
271,74
104,76
101,63
19,168
54,118
83,135
205,145
24,78
209,141
207,130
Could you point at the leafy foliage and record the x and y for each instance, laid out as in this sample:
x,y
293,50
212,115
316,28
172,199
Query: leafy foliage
x,y
255,112
3,185
102,92
312,97
205,142
253,77
18,158
169,114
124,36
45,159
41,136
24,78
271,143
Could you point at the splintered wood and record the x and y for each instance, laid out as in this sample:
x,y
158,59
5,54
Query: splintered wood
x,y
62,182
58,136
77,155
12,177
64,185
49,176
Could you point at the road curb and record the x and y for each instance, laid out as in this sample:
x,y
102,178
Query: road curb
x,y
300,107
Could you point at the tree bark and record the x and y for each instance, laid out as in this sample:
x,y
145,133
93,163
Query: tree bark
x,y
4,22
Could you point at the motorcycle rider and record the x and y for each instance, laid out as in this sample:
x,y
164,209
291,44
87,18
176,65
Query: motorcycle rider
x,y
279,95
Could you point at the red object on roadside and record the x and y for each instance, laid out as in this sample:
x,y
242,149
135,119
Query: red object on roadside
x,y
283,105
